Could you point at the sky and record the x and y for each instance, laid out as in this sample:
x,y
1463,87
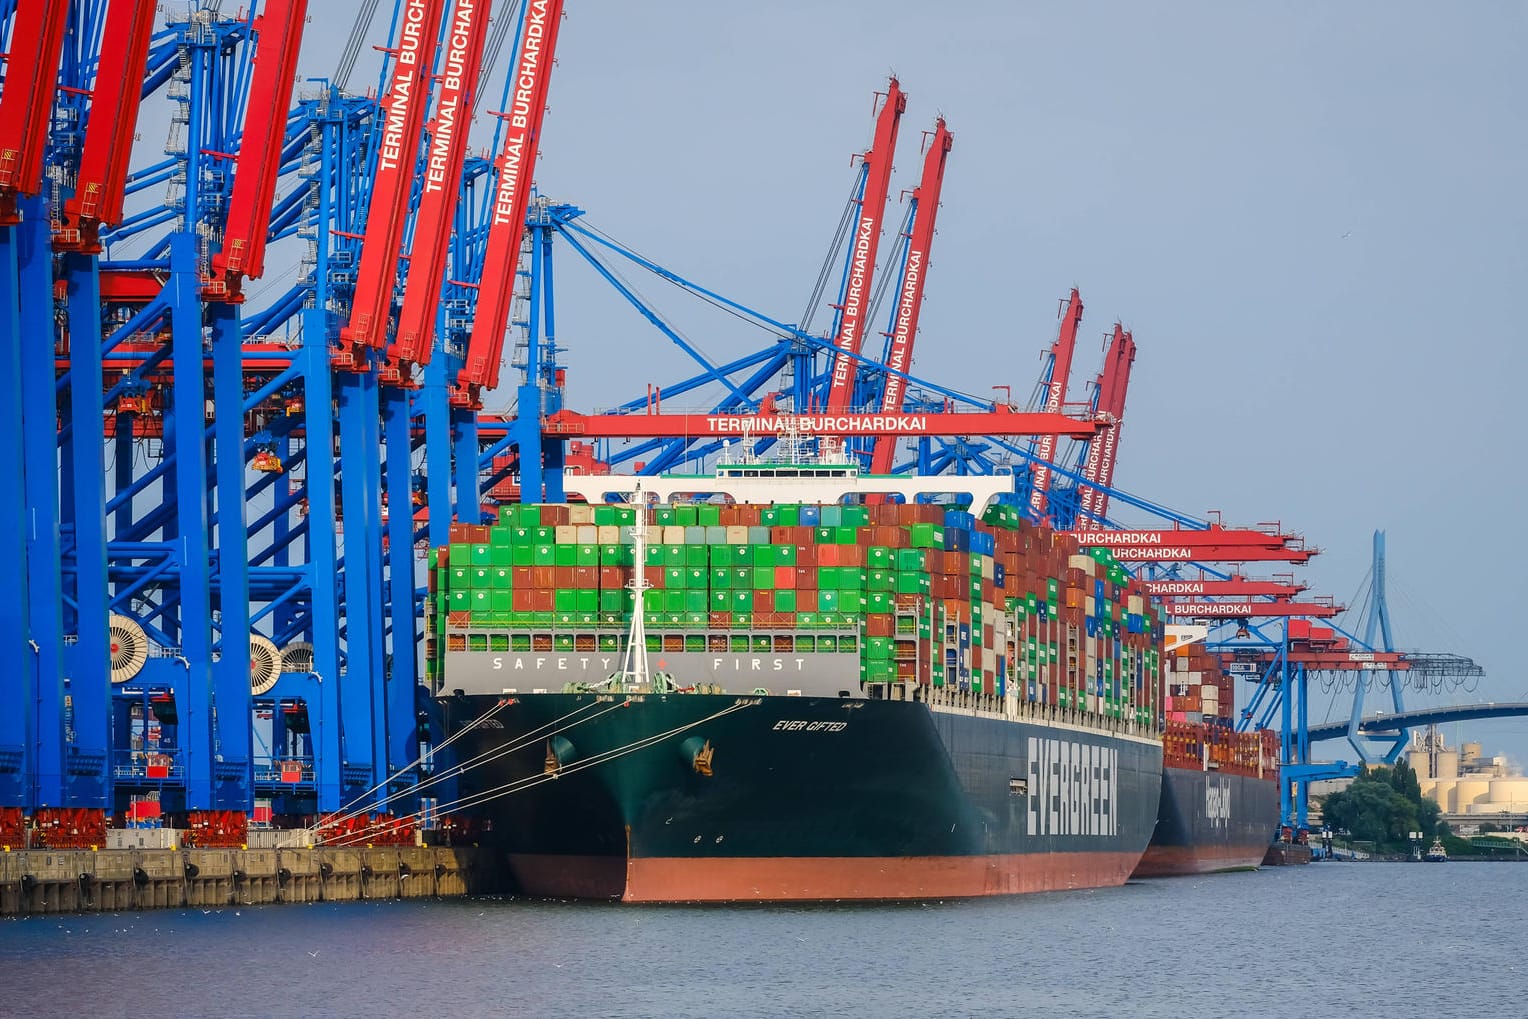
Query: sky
x,y
1311,216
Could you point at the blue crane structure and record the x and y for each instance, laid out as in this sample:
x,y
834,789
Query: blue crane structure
x,y
228,612
223,488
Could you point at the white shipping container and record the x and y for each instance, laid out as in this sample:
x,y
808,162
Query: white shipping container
x,y
565,534
580,513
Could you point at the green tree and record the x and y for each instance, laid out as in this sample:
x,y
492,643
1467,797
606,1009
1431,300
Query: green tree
x,y
1383,806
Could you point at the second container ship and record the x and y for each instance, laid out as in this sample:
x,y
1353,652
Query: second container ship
x,y
812,700
1220,794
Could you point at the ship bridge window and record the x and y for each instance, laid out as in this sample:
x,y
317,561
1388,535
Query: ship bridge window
x,y
792,474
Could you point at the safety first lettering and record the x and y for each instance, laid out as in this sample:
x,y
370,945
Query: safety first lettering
x,y
562,663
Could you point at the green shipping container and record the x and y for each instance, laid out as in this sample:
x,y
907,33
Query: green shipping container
x,y
785,601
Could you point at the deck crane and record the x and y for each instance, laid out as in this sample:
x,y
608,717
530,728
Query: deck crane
x,y
1058,370
402,117
1114,381
516,163
899,354
242,256
876,171
26,103
102,176
440,188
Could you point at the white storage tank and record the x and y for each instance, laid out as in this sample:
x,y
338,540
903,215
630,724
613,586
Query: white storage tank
x,y
1468,792
1509,794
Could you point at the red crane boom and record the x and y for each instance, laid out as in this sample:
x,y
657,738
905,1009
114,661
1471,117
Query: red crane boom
x,y
867,238
26,102
403,109
516,163
254,182
102,176
914,275
1099,469
1055,396
441,187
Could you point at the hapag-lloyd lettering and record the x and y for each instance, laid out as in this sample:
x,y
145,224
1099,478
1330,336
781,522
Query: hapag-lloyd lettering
x,y
1217,801
1073,788
828,424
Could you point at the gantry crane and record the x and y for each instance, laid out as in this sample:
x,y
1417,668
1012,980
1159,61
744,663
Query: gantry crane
x,y
854,297
1053,383
914,279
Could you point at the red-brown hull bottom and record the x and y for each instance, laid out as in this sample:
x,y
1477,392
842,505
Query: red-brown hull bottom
x,y
800,879
1178,861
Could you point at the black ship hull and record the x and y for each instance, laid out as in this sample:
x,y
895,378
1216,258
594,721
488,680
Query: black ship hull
x,y
1211,821
717,797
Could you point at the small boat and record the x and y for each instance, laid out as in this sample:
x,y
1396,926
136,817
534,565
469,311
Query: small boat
x,y
1436,853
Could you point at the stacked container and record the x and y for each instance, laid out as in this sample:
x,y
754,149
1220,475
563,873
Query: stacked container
x,y
922,593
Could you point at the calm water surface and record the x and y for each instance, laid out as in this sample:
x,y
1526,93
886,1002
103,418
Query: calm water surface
x,y
1327,940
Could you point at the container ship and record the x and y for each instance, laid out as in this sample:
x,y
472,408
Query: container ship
x,y
1220,793
833,695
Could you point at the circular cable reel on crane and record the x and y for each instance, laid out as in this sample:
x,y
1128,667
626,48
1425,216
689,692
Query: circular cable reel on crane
x,y
297,657
128,645
264,664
